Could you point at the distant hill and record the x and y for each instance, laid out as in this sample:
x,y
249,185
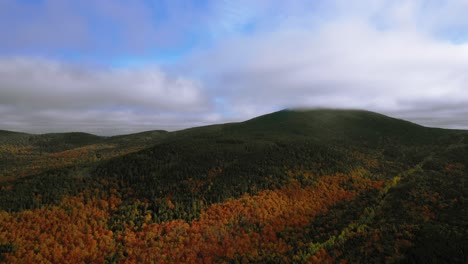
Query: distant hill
x,y
70,140
147,137
10,137
24,154
57,140
10,133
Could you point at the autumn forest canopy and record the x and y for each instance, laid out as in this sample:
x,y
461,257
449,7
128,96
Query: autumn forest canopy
x,y
294,186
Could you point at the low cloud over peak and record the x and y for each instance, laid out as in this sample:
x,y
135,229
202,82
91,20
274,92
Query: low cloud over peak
x,y
341,65
183,64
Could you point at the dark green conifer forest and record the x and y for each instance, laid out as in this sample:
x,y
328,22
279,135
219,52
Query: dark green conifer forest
x,y
294,186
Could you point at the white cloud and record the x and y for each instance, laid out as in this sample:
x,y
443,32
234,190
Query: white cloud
x,y
406,58
346,62
48,95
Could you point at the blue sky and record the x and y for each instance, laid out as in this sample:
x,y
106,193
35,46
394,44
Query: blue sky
x,y
120,66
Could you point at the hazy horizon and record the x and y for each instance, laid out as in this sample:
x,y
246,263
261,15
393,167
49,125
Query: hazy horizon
x,y
123,131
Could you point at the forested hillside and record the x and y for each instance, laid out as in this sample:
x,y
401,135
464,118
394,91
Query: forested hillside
x,y
24,154
295,186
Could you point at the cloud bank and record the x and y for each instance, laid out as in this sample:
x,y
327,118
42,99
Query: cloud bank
x,y
43,95
403,58
394,57
344,64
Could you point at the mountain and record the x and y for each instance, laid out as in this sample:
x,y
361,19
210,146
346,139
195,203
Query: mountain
x,y
266,145
330,124
305,186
